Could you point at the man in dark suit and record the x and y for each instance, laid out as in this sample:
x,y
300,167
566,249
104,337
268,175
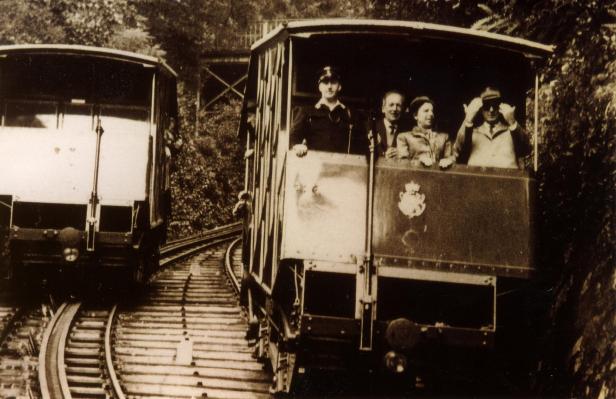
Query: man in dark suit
x,y
388,127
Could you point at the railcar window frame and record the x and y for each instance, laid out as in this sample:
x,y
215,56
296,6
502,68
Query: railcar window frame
x,y
34,116
60,114
463,63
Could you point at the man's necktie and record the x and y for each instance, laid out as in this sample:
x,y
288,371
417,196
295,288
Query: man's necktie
x,y
393,130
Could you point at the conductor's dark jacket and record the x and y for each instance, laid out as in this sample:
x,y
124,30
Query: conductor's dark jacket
x,y
325,130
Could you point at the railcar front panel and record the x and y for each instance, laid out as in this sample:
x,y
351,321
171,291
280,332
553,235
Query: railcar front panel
x,y
325,207
468,220
464,219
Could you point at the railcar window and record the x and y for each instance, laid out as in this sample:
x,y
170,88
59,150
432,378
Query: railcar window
x,y
62,76
451,73
124,119
31,114
78,117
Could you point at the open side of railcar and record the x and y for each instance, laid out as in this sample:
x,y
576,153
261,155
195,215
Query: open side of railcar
x,y
346,259
85,171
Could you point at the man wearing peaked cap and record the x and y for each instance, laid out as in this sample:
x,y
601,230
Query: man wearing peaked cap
x,y
328,73
328,124
497,140
490,94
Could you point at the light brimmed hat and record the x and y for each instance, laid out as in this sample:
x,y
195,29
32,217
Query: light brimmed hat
x,y
329,73
490,94
418,102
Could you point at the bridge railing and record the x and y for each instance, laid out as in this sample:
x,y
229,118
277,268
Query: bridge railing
x,y
254,32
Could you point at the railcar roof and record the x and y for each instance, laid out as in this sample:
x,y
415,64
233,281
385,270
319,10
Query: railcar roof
x,y
421,29
120,55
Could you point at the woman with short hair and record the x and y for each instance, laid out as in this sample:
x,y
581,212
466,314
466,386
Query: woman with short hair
x,y
422,145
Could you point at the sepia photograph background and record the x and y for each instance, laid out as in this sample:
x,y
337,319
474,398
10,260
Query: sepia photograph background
x,y
207,42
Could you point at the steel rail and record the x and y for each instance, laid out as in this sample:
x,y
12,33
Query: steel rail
x,y
115,382
229,266
172,252
183,243
52,374
182,248
218,321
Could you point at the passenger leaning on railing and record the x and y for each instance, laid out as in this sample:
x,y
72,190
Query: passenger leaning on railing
x,y
498,141
329,124
391,124
422,145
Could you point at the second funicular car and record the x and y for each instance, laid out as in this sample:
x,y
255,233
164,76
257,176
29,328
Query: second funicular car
x,y
84,174
354,260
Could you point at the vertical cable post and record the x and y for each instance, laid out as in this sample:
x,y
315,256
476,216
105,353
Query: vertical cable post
x,y
536,132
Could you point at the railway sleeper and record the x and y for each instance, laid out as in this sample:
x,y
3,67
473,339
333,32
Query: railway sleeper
x,y
82,352
85,392
192,381
82,361
242,375
174,391
198,363
76,370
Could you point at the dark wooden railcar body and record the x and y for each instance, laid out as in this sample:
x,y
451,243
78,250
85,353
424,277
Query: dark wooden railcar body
x,y
84,177
322,287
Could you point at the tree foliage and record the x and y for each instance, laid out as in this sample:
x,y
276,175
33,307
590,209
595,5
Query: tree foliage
x,y
207,172
284,9
28,22
91,22
112,23
186,28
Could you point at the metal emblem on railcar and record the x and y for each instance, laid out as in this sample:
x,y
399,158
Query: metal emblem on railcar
x,y
412,203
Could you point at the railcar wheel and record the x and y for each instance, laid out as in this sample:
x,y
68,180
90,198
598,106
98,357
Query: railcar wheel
x,y
139,268
154,263
22,278
284,370
146,261
284,363
263,340
244,291
16,269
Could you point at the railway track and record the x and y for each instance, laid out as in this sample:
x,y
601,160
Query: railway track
x,y
182,337
187,338
20,331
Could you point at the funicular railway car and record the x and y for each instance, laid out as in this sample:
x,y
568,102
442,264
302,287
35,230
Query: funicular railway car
x,y
84,171
356,259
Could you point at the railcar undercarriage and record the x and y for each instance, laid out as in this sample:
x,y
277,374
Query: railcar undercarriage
x,y
312,320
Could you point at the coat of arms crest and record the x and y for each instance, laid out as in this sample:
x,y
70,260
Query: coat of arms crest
x,y
412,202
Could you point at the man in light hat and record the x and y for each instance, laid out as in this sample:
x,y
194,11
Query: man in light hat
x,y
497,140
328,125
